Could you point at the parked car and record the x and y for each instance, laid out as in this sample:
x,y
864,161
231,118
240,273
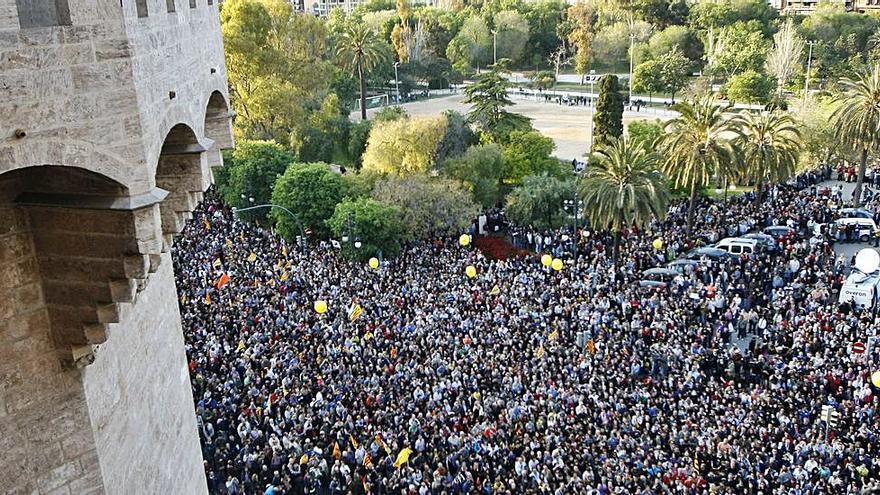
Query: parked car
x,y
711,253
657,277
766,240
855,213
780,232
865,227
683,265
739,245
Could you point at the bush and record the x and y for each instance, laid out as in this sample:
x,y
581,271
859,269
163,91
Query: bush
x,y
378,227
311,191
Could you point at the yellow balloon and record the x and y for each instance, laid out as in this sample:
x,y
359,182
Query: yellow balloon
x,y
875,378
470,271
464,240
374,263
658,244
546,260
321,307
556,264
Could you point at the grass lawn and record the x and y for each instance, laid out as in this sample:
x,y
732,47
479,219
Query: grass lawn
x,y
714,194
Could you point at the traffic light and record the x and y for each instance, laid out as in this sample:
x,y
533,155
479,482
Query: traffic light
x,y
830,416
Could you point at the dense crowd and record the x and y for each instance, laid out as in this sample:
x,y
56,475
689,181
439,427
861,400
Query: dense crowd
x,y
524,379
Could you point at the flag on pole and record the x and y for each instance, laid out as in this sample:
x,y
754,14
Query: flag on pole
x,y
284,250
402,457
304,459
228,243
354,311
223,280
368,461
553,335
382,443
206,223
353,441
252,257
540,352
284,276
591,346
208,298
217,263
495,291
240,346
337,454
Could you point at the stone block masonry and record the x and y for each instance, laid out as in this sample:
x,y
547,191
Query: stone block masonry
x,y
111,115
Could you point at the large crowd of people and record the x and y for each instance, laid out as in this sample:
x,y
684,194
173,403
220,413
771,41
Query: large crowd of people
x,y
528,380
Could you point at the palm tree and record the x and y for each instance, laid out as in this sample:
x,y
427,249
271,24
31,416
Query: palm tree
x,y
856,119
360,50
623,188
769,144
697,147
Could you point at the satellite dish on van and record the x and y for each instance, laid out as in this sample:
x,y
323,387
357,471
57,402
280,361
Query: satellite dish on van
x,y
867,260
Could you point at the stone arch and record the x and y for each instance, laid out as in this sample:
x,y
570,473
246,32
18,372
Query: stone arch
x,y
218,121
183,171
80,248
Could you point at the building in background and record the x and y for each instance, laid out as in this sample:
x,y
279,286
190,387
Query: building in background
x,y
112,114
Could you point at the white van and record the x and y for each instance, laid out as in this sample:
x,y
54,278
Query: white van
x,y
860,289
739,245
866,227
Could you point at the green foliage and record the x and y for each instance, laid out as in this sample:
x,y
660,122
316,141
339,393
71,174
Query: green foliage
x,y
360,184
311,191
512,34
404,146
608,119
387,114
481,169
471,46
666,74
842,39
740,47
582,16
611,45
276,66
750,87
439,26
317,139
250,170
856,118
679,38
716,15
357,141
458,137
528,153
543,79
769,144
645,132
538,201
488,97
429,206
622,187
360,51
378,227
545,17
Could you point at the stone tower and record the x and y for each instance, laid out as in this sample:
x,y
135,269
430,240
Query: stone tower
x,y
112,113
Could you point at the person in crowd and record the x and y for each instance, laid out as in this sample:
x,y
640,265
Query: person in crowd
x,y
525,379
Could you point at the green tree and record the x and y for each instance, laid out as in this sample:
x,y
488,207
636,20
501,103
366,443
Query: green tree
x,y
676,37
740,47
458,137
528,153
645,131
404,146
429,206
538,201
488,97
611,44
750,87
622,188
470,45
544,18
582,15
842,39
785,56
276,66
769,144
250,171
543,79
857,119
360,51
608,119
311,191
512,34
481,169
316,140
357,142
377,226
667,74
695,146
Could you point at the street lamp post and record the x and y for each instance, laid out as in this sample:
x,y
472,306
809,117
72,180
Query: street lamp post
x,y
632,40
396,84
494,46
592,106
807,75
302,233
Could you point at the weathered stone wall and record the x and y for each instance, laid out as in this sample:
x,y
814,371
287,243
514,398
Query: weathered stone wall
x,y
90,267
140,401
46,442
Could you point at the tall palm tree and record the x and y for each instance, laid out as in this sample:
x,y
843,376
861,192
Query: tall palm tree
x,y
624,188
856,119
769,144
697,146
360,50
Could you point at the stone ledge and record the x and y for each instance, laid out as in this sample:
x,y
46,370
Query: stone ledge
x,y
93,202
